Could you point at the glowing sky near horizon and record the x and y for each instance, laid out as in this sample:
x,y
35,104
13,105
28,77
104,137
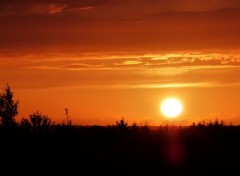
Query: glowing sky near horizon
x,y
108,59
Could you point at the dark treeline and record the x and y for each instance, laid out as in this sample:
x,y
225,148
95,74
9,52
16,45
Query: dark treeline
x,y
36,145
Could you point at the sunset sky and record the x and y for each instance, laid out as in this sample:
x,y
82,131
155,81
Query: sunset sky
x,y
108,59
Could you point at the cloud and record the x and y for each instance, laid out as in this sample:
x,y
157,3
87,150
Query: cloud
x,y
69,3
202,5
118,25
160,61
121,70
124,61
174,85
129,7
197,15
12,7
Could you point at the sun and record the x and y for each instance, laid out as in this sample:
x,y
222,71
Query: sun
x,y
171,107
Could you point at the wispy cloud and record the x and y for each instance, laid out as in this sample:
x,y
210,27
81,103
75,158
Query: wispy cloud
x,y
12,7
123,70
174,85
124,61
97,25
136,6
146,61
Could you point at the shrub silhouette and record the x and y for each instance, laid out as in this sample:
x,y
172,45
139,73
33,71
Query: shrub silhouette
x,y
121,124
38,122
216,124
8,108
25,123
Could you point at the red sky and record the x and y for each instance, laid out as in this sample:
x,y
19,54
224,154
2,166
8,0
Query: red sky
x,y
107,59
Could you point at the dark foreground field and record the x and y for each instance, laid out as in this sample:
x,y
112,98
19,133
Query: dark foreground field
x,y
121,150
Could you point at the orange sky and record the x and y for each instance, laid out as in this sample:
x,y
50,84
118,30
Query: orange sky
x,y
107,59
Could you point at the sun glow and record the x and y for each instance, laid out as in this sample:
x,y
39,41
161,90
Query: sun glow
x,y
171,107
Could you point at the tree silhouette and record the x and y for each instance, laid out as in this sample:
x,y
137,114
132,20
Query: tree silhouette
x,y
8,108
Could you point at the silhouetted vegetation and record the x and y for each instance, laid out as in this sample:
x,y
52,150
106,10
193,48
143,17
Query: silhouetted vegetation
x,y
120,149
68,121
37,123
8,108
